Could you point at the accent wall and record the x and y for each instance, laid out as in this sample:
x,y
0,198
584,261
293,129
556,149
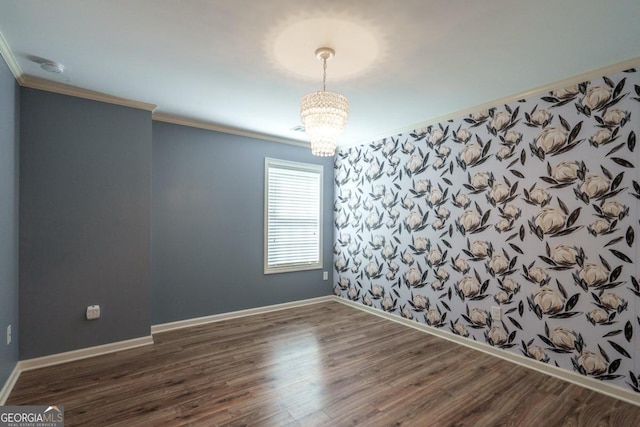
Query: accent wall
x,y
531,207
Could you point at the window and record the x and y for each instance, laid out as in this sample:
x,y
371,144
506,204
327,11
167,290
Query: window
x,y
293,216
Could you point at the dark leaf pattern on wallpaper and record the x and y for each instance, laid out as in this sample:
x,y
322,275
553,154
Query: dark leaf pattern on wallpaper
x,y
615,149
628,331
623,162
514,322
637,90
634,382
636,287
620,255
619,349
528,206
636,189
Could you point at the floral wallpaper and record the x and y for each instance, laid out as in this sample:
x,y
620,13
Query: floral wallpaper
x,y
531,207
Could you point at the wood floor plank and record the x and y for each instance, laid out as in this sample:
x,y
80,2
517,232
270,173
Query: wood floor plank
x,y
323,364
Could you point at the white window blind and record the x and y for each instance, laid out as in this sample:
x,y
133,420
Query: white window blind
x,y
293,222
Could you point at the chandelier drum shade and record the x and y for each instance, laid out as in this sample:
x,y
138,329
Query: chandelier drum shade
x,y
324,114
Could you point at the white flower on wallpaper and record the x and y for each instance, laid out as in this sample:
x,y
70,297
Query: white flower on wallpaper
x,y
529,206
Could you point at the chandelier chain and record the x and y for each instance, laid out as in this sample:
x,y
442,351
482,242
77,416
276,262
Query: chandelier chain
x,y
324,74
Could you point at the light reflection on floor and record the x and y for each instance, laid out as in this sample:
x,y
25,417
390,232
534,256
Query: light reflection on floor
x,y
296,366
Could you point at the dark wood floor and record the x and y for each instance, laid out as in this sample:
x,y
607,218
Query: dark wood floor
x,y
325,364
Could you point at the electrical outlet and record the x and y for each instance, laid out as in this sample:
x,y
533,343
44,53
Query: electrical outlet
x,y
8,334
325,275
93,312
495,313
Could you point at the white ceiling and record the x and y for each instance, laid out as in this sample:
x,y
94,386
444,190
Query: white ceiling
x,y
245,64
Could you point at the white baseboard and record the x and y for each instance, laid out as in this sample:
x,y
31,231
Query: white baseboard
x,y
68,356
563,374
8,385
164,327
83,353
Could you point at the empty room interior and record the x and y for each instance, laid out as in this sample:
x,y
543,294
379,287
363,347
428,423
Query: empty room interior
x,y
332,213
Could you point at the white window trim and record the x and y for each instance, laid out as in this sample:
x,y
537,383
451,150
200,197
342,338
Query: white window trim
x,y
307,167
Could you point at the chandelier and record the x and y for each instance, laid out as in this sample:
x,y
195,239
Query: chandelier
x,y
324,114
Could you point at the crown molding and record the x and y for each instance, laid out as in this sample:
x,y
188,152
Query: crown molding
x,y
61,88
33,82
579,78
64,89
6,53
183,121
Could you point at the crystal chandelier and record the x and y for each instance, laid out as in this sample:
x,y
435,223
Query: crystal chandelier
x,y
324,114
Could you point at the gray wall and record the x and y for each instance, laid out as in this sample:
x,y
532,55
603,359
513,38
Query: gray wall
x,y
207,225
9,113
85,177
